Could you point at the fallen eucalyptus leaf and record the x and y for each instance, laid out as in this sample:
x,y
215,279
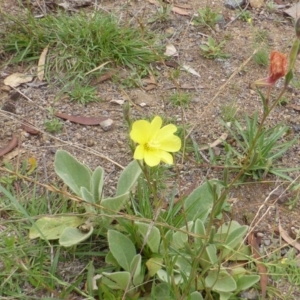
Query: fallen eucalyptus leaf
x,y
13,143
81,119
41,64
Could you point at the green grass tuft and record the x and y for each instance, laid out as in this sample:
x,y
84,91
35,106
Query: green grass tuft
x,y
78,43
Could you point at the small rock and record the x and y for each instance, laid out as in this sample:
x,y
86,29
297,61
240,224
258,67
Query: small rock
x,y
256,3
234,4
107,124
251,294
90,143
267,242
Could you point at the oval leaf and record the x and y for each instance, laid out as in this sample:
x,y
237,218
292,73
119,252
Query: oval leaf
x,y
122,248
52,228
73,236
73,173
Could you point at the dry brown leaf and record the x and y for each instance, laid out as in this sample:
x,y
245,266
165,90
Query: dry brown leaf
x,y
190,70
171,50
180,11
294,106
41,64
150,87
186,6
172,63
115,101
262,270
15,79
81,119
13,143
104,77
294,11
29,128
11,155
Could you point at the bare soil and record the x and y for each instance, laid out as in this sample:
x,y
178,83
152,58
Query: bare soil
x,y
222,82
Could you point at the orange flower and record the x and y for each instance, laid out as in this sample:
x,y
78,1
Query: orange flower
x,y
278,69
277,66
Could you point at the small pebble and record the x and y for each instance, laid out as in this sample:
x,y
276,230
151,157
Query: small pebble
x,y
107,124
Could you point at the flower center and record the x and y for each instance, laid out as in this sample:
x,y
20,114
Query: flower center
x,y
153,144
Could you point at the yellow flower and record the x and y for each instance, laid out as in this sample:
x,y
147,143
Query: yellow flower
x,y
155,142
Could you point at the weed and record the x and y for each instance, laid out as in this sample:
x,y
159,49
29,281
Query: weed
x,y
284,100
207,17
53,125
261,57
261,36
243,15
213,50
229,112
180,99
270,6
83,94
163,13
267,149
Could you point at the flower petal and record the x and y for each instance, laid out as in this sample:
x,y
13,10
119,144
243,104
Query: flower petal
x,y
139,152
152,157
166,157
155,126
171,144
140,131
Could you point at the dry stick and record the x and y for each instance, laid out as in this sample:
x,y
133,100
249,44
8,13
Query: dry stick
x,y
94,152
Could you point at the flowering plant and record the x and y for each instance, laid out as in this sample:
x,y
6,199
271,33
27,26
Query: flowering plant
x,y
155,142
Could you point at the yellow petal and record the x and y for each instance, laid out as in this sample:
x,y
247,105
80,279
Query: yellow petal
x,y
166,157
139,152
155,126
170,144
165,132
152,157
140,131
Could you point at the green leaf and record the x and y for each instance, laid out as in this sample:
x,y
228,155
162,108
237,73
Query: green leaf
x,y
160,291
128,178
209,257
154,264
225,296
97,184
152,235
122,248
234,239
199,230
109,259
52,228
180,238
116,280
195,296
220,281
199,203
74,174
246,281
88,197
73,236
136,270
165,277
111,206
